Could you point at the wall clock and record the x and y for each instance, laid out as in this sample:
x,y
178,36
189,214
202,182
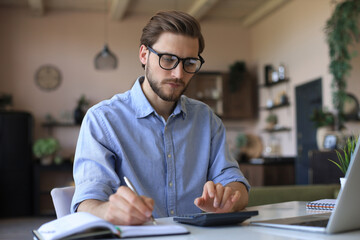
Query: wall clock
x,y
48,77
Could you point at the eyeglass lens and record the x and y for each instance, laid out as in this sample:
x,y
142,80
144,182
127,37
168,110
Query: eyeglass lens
x,y
190,65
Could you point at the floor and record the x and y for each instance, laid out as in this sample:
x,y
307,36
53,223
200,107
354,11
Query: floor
x,y
20,228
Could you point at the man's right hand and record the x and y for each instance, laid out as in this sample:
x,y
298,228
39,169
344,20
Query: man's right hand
x,y
123,208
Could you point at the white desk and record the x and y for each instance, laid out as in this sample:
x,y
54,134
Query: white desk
x,y
288,209
20,229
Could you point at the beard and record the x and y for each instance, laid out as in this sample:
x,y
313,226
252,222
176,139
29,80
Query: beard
x,y
173,95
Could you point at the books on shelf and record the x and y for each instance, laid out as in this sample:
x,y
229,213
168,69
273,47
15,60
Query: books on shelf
x,y
82,225
323,204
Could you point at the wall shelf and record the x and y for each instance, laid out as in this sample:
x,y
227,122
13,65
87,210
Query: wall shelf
x,y
282,129
275,83
59,124
287,104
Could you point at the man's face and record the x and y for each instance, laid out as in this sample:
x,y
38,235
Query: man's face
x,y
169,85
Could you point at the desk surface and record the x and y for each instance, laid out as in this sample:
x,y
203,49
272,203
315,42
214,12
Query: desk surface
x,y
21,228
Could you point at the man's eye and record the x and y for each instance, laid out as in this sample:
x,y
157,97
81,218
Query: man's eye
x,y
168,58
191,62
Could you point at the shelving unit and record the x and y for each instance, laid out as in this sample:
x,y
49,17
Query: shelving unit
x,y
208,88
281,104
213,89
51,125
45,179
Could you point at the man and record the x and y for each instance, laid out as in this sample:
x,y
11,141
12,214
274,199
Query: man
x,y
172,148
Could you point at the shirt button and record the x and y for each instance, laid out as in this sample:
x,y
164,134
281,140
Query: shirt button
x,y
170,184
172,212
169,155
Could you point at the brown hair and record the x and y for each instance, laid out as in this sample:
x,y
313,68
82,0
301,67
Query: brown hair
x,y
174,22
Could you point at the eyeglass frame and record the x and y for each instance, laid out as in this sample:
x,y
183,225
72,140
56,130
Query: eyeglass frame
x,y
202,61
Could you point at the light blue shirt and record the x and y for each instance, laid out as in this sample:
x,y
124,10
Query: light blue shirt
x,y
169,161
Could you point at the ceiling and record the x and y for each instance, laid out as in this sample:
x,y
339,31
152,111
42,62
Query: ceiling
x,y
246,12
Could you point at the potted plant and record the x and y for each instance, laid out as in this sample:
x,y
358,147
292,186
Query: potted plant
x,y
344,156
5,101
241,143
322,118
342,29
45,149
324,122
80,109
271,121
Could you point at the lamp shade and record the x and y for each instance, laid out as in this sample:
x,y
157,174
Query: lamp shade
x,y
105,60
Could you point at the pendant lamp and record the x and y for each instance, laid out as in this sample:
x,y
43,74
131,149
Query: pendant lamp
x,y
105,59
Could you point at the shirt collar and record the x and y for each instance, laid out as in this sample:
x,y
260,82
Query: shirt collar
x,y
143,107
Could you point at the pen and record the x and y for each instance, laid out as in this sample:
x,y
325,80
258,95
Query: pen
x,y
129,184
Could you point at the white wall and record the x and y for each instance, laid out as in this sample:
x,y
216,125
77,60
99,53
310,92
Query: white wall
x,y
294,35
70,41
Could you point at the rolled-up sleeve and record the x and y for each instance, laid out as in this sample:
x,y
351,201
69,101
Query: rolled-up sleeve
x,y
94,171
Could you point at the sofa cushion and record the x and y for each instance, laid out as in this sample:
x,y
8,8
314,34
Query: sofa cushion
x,y
277,194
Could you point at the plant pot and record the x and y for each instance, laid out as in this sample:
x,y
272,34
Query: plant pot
x,y
321,132
78,115
342,182
47,160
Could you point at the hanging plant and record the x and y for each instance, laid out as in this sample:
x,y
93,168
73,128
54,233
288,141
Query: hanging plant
x,y
237,75
342,29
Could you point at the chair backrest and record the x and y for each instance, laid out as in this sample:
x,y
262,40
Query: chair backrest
x,y
62,198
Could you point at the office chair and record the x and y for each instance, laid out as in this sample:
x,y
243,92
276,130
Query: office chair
x,y
61,198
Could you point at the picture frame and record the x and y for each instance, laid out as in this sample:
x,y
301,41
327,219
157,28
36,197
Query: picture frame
x,y
330,141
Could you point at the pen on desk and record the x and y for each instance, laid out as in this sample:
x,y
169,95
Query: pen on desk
x,y
129,184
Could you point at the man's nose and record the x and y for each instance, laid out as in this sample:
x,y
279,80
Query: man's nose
x,y
178,72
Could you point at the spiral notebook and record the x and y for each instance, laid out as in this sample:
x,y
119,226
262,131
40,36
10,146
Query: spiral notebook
x,y
323,204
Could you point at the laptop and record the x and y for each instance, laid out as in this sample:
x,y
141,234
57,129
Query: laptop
x,y
344,217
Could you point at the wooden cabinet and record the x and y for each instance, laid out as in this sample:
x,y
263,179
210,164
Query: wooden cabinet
x,y
269,174
321,170
213,89
45,179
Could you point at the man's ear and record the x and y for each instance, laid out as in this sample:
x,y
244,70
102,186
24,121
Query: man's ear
x,y
143,54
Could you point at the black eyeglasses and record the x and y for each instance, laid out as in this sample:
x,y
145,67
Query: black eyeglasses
x,y
170,61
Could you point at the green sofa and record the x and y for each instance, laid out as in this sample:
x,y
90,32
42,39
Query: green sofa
x,y
277,194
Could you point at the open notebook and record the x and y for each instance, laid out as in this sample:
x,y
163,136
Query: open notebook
x,y
83,225
344,217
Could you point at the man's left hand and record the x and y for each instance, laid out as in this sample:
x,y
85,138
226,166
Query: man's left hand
x,y
217,198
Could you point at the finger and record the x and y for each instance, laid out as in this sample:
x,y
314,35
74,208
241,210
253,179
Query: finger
x,y
226,196
149,202
134,203
236,196
122,212
230,202
209,190
218,195
199,202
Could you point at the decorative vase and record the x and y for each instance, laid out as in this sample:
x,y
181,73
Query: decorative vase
x,y
321,132
78,115
342,182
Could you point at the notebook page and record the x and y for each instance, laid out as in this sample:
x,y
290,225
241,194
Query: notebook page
x,y
152,230
71,224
